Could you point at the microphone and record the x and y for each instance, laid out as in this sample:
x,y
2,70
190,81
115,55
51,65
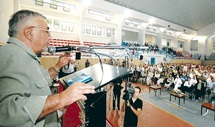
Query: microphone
x,y
61,49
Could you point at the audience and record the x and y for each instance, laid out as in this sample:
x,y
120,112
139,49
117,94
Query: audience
x,y
196,80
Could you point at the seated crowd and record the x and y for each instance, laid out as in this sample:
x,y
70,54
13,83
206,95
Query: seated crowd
x,y
196,80
154,48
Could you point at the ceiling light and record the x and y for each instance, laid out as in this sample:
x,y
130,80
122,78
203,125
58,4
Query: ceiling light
x,y
153,27
107,16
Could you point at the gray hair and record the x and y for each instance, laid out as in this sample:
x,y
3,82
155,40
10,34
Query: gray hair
x,y
18,18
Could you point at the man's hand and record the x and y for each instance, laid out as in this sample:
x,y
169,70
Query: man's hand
x,y
73,93
54,70
128,104
76,92
63,60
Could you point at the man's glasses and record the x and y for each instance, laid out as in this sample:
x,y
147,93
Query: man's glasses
x,y
46,30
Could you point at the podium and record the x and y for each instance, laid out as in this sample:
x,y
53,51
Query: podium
x,y
101,75
95,105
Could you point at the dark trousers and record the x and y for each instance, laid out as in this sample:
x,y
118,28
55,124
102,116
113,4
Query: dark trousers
x,y
198,94
116,97
126,125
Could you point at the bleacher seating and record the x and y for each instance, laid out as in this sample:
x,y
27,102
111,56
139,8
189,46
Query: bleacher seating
x,y
185,55
60,43
63,42
212,57
94,44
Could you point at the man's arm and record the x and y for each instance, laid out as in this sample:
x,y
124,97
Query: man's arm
x,y
70,95
73,93
52,104
54,70
136,112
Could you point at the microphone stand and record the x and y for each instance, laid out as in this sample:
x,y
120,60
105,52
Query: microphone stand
x,y
115,47
126,81
126,64
91,104
92,51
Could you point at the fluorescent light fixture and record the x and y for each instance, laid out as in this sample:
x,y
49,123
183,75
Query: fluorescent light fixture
x,y
54,4
47,1
152,27
39,2
129,21
144,24
60,4
183,36
168,32
135,23
108,17
66,9
66,6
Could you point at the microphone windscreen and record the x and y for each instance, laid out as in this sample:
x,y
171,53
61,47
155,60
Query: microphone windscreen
x,y
51,49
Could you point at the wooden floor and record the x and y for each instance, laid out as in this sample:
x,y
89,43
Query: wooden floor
x,y
151,115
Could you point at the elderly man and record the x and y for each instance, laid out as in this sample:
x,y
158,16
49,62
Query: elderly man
x,y
25,96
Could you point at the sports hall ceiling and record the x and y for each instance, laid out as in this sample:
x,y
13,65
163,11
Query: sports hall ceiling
x,y
193,14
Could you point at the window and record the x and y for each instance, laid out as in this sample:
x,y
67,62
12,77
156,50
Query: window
x,y
56,24
194,45
108,32
150,39
71,26
214,45
129,35
181,44
88,29
84,29
99,31
49,21
167,43
93,30
64,25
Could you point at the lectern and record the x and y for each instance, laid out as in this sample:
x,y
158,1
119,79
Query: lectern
x,y
95,105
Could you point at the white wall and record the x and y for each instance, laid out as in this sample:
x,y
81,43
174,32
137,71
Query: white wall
x,y
207,30
207,43
6,10
57,14
81,17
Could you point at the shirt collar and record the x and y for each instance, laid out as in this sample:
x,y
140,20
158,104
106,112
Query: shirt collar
x,y
16,41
